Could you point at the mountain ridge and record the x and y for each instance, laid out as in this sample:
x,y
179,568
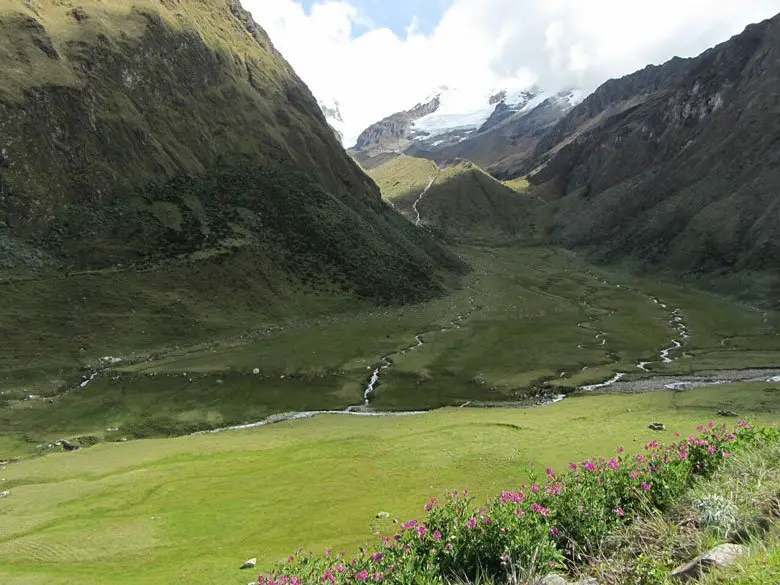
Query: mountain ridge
x,y
118,122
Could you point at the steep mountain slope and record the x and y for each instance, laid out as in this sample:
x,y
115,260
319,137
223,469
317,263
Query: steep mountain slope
x,y
450,125
676,165
158,130
457,200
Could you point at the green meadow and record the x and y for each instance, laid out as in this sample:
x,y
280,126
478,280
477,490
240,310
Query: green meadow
x,y
190,509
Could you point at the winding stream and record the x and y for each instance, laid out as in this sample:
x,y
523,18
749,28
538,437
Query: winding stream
x,y
416,203
618,383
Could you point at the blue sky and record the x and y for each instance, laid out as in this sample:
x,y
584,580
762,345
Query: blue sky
x,y
397,14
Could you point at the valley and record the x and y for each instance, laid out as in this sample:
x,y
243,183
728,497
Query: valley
x,y
224,336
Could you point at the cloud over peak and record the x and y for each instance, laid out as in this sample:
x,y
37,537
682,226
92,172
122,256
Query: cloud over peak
x,y
479,45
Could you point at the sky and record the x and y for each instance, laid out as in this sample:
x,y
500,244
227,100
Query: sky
x,y
377,57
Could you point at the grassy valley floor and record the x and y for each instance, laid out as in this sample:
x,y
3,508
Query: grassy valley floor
x,y
525,320
191,509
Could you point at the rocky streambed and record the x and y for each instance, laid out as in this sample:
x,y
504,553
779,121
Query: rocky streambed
x,y
680,383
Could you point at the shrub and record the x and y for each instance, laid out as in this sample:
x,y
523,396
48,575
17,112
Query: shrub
x,y
551,522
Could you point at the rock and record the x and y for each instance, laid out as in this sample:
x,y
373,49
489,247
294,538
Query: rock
x,y
382,515
250,564
553,580
657,427
724,555
256,371
67,445
4,494
727,413
587,581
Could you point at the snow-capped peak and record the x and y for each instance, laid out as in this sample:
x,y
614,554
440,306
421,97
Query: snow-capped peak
x,y
465,109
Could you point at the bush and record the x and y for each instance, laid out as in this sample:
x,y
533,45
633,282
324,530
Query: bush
x,y
550,523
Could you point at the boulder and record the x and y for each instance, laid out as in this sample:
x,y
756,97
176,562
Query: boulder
x,y
727,413
553,580
250,564
657,426
724,555
67,445
382,515
4,494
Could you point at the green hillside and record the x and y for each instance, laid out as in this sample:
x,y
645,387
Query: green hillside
x,y
135,133
403,177
165,179
457,200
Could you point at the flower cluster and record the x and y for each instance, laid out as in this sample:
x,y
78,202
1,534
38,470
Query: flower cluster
x,y
552,520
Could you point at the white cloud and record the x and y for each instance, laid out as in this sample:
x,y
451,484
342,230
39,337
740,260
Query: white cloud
x,y
479,45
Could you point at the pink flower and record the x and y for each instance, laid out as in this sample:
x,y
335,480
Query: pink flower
x,y
471,523
422,531
580,508
535,488
573,466
377,556
613,464
620,512
634,474
519,513
620,450
711,424
726,455
554,532
437,536
341,568
646,486
589,465
378,577
711,450
361,576
683,455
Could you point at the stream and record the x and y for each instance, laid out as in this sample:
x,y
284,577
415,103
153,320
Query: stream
x,y
416,203
618,383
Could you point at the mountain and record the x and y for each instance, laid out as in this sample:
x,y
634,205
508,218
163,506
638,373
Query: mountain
x,y
135,134
676,165
453,124
456,200
333,116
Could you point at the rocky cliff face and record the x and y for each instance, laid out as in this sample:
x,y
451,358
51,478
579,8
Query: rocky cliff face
x,y
676,164
392,134
117,119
